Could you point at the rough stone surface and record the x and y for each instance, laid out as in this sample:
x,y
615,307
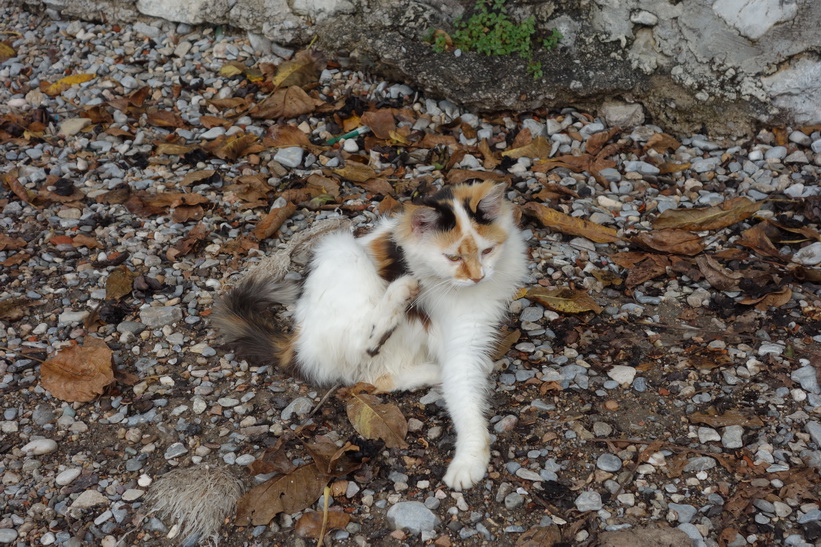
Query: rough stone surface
x,y
688,64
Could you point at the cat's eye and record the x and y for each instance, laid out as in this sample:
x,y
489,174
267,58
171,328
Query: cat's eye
x,y
488,250
453,258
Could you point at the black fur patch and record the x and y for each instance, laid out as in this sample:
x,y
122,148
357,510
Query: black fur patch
x,y
478,215
373,352
417,313
446,220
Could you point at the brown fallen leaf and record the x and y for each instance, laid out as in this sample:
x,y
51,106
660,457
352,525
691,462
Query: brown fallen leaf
x,y
432,140
284,103
770,300
717,275
185,246
120,282
796,228
137,97
268,226
708,218
302,70
564,300
212,121
172,149
661,142
607,277
232,102
281,136
165,118
6,52
333,460
12,309
490,160
381,122
506,342
731,417
9,179
355,172
326,185
288,493
78,373
194,177
374,419
538,148
11,243
597,140
680,242
566,224
235,146
540,536
757,239
309,524
641,267
668,167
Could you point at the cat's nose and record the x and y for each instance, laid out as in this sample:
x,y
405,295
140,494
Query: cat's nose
x,y
477,279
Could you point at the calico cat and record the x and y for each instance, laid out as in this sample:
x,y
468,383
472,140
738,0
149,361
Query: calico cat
x,y
415,302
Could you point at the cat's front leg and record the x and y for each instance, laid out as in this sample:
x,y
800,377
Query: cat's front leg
x,y
464,383
398,296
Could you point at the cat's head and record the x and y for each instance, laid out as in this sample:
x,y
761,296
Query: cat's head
x,y
458,234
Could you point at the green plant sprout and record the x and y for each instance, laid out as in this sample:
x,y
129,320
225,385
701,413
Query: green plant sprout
x,y
489,31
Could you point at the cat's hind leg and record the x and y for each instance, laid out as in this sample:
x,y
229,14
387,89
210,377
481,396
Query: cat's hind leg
x,y
390,310
410,378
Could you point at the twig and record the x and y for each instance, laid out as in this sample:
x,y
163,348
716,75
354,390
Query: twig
x,y
321,402
326,494
18,352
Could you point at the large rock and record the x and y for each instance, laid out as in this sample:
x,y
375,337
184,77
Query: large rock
x,y
723,65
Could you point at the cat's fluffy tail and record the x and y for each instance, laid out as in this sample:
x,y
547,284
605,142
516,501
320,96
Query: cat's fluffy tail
x,y
245,317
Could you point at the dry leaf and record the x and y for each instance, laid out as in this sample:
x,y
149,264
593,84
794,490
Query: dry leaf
x,y
540,536
232,68
731,417
309,524
432,140
6,52
11,243
233,147
174,149
597,141
212,121
538,148
283,136
333,460
137,97
12,309
374,419
326,185
10,179
164,118
388,206
78,373
641,266
281,494
756,238
268,226
671,241
566,224
490,160
708,218
770,300
302,70
197,176
355,172
185,246
119,283
285,103
506,342
563,300
62,84
717,275
661,142
381,122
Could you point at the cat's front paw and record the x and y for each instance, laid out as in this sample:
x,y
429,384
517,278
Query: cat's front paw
x,y
467,469
407,289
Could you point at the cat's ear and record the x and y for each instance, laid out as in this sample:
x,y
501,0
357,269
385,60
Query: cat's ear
x,y
490,206
424,219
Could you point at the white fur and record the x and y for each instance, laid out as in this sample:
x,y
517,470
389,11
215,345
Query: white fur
x,y
346,307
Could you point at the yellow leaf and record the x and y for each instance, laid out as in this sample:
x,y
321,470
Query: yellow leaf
x,y
6,52
302,70
374,419
64,83
571,225
231,69
538,148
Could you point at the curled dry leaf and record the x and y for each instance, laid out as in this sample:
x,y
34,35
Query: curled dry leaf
x,y
641,266
717,275
268,226
355,172
540,536
120,282
78,373
6,52
757,239
333,460
374,419
566,224
164,118
12,309
708,218
302,70
11,243
185,246
563,300
381,122
288,493
770,300
597,141
309,524
290,135
671,241
506,342
661,142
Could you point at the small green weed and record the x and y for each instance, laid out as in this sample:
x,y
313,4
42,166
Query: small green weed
x,y
489,31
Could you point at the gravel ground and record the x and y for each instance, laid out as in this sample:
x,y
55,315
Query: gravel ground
x,y
689,405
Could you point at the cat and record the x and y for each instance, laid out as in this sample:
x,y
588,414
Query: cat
x,y
414,303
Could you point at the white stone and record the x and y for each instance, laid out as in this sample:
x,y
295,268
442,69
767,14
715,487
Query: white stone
x,y
622,374
89,498
809,255
644,18
38,447
707,434
619,114
188,11
796,89
290,156
68,476
69,317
